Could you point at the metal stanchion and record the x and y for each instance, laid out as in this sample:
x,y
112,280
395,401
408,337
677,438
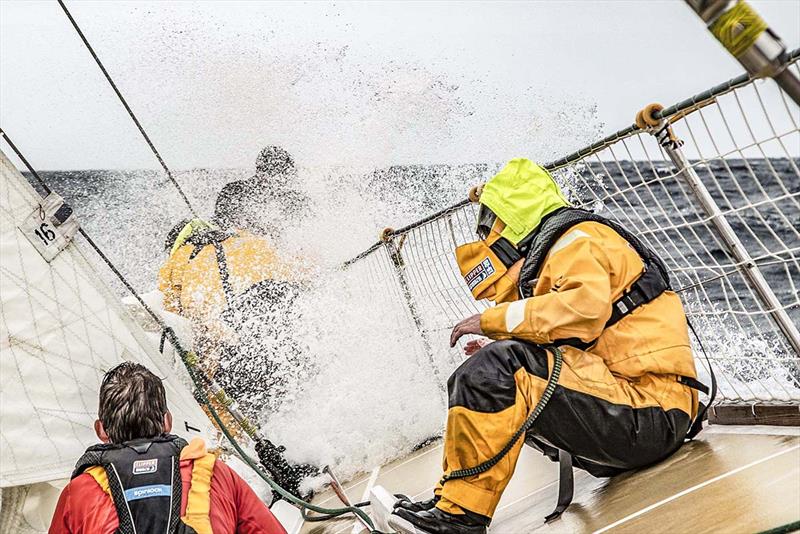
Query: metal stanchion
x,y
661,129
393,249
739,28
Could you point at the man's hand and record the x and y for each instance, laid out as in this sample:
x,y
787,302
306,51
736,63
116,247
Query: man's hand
x,y
474,345
470,325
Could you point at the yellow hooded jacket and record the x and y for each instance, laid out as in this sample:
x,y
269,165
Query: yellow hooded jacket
x,y
635,361
192,287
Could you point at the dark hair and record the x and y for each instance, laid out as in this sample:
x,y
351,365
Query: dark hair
x,y
132,403
274,160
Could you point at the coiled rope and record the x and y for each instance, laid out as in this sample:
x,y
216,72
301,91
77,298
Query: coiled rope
x,y
128,109
738,28
199,380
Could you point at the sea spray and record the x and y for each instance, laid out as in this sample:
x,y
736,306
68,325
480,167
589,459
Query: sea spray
x,y
364,389
374,396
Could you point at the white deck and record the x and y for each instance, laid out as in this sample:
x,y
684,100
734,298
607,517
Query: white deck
x,y
742,479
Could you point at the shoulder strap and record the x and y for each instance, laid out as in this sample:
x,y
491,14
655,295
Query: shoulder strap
x,y
124,514
224,274
89,459
198,504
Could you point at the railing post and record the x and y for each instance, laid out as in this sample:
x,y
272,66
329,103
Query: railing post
x,y
660,128
393,249
749,39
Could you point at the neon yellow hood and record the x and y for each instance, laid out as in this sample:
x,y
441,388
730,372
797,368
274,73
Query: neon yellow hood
x,y
191,227
521,194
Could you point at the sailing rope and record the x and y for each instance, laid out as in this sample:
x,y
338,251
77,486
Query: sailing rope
x,y
128,109
201,380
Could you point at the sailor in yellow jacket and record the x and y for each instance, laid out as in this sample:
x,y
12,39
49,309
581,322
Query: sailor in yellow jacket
x,y
238,293
560,276
207,267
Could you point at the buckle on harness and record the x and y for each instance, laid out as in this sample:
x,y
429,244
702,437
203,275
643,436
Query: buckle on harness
x,y
631,300
646,288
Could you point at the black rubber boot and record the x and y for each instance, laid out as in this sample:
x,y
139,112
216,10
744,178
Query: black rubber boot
x,y
415,506
435,521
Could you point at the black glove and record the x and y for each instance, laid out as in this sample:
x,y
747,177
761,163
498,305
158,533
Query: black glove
x,y
288,476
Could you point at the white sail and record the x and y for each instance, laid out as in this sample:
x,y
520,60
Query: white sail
x,y
60,330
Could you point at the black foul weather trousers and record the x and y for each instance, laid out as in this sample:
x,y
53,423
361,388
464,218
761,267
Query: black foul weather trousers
x,y
608,426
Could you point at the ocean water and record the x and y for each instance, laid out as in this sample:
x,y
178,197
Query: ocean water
x,y
363,397
653,203
130,212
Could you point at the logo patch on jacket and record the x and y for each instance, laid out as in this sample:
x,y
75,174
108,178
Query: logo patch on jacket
x,y
142,467
145,492
481,272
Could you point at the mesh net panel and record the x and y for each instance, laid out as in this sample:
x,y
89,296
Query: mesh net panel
x,y
744,146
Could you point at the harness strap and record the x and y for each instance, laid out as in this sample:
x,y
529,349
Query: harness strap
x,y
645,289
649,286
566,485
702,411
198,503
693,383
120,503
224,273
177,490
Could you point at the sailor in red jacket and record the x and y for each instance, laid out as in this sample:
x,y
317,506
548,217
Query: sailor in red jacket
x,y
129,484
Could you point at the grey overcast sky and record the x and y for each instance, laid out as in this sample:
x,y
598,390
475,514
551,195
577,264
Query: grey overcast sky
x,y
370,83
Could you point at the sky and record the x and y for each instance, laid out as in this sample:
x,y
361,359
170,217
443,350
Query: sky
x,y
357,84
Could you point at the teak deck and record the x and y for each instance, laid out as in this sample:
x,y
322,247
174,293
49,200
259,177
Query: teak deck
x,y
730,479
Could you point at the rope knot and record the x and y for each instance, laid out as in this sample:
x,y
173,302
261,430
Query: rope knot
x,y
658,126
386,234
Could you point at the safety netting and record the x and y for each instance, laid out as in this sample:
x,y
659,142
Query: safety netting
x,y
742,146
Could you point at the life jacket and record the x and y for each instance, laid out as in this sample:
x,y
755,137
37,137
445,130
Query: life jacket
x,y
143,479
652,283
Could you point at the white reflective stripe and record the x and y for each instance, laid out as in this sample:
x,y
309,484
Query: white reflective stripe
x,y
566,240
515,314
